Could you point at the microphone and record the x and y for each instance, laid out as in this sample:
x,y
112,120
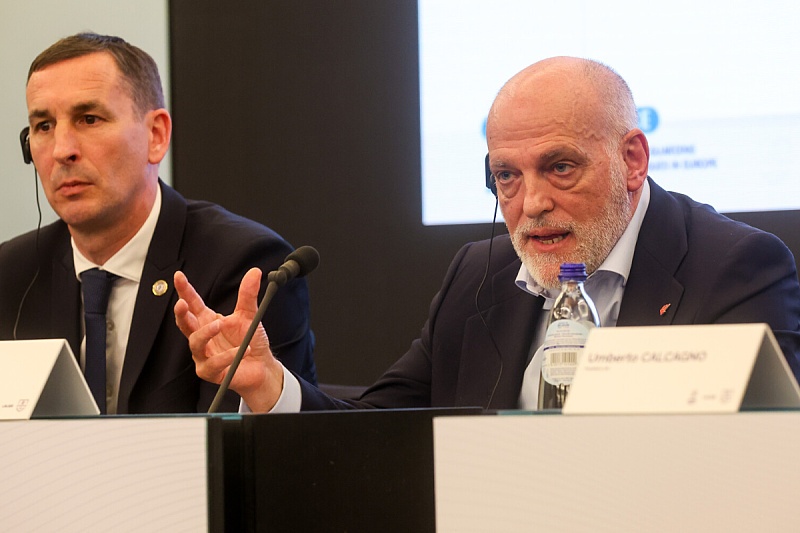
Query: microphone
x,y
297,264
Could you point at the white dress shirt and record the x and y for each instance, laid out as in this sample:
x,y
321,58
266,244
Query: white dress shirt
x,y
127,263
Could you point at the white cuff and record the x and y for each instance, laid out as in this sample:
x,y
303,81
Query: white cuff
x,y
290,400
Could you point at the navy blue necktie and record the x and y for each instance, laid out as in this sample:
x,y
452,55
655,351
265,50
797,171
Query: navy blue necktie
x,y
96,286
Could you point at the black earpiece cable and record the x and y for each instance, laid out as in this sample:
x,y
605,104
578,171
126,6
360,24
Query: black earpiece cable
x,y
36,274
477,306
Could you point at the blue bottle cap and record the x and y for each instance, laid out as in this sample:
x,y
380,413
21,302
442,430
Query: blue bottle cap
x,y
573,271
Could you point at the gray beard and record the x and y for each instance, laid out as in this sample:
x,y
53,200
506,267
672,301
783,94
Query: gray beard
x,y
595,239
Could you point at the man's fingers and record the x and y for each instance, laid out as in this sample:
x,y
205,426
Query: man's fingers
x,y
248,293
187,293
198,341
216,368
185,319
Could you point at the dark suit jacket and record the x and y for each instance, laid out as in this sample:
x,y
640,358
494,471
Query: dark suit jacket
x,y
709,268
213,247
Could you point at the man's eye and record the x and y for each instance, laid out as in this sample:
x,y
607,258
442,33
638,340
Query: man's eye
x,y
42,126
562,167
90,119
502,176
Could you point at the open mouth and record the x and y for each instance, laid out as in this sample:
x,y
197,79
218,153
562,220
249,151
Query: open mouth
x,y
550,239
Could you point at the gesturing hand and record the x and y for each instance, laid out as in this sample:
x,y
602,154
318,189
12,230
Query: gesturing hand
x,y
214,340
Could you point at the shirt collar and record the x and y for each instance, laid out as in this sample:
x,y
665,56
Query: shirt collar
x,y
128,262
619,260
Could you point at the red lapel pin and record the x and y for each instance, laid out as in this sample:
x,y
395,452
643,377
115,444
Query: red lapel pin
x,y
664,309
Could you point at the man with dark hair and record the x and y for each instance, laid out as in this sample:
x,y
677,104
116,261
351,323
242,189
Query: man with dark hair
x,y
98,131
137,69
570,166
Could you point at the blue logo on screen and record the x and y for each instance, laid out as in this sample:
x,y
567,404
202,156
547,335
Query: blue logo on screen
x,y
648,119
483,127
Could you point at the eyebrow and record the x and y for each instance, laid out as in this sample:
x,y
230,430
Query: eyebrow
x,y
546,157
83,107
556,153
37,113
77,109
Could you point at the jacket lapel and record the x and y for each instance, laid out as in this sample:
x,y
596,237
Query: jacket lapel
x,y
65,313
652,294
152,302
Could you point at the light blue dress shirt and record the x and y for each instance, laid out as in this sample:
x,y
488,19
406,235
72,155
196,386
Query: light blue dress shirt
x,y
605,287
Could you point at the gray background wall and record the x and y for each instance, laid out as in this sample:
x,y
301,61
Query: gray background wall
x,y
27,28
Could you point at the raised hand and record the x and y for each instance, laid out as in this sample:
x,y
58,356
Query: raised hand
x,y
214,340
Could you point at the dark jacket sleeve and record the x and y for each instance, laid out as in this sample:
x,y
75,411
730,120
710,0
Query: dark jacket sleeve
x,y
757,282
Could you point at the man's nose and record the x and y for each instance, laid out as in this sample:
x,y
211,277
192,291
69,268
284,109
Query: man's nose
x,y
66,146
538,197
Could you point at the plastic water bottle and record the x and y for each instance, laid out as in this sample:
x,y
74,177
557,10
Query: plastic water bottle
x,y
572,316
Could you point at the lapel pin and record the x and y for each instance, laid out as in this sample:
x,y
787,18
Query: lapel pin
x,y
664,309
160,288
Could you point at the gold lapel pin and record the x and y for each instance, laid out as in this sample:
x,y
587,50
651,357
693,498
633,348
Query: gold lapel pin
x,y
664,309
160,287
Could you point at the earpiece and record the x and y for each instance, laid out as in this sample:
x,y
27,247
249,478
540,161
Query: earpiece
x,y
25,141
490,184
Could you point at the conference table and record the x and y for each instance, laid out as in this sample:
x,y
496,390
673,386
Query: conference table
x,y
402,470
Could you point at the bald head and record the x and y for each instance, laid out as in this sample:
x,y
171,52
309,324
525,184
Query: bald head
x,y
587,92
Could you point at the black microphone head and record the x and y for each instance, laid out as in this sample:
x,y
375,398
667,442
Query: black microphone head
x,y
306,257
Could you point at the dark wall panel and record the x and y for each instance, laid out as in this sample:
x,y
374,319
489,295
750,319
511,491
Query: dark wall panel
x,y
304,115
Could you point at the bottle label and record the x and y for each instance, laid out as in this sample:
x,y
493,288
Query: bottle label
x,y
563,343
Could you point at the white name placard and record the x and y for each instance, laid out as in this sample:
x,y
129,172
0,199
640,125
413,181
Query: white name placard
x,y
681,369
41,378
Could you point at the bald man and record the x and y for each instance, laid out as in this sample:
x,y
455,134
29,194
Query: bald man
x,y
570,166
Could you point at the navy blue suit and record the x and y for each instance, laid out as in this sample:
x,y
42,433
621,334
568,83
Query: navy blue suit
x,y
213,247
710,269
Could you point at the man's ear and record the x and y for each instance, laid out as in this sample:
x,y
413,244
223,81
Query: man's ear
x,y
160,125
636,154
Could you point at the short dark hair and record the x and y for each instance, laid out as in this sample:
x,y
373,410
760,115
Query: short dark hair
x,y
138,69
